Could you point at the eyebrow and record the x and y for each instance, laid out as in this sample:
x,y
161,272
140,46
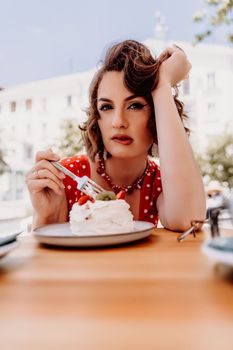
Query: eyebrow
x,y
131,97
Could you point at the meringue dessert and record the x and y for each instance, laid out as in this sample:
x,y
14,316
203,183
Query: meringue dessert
x,y
104,215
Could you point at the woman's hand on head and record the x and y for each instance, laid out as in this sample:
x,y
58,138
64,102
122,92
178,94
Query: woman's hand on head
x,y
45,185
174,68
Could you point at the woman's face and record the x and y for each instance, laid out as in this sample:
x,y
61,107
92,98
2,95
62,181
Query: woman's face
x,y
123,119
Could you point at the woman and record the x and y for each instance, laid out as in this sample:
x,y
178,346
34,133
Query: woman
x,y
132,111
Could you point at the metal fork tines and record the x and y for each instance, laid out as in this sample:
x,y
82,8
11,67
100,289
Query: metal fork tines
x,y
84,183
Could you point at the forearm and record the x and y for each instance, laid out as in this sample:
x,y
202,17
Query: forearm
x,y
183,193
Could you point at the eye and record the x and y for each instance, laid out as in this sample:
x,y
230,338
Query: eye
x,y
136,105
105,107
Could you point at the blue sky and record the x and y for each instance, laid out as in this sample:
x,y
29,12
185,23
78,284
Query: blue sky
x,y
47,38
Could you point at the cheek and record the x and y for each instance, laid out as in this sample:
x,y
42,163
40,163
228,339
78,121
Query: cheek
x,y
146,130
100,123
102,127
146,134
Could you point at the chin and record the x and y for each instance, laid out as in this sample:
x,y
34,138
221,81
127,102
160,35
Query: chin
x,y
123,154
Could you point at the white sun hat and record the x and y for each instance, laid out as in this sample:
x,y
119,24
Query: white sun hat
x,y
213,186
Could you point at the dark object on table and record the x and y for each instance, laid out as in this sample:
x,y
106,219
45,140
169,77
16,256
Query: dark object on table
x,y
214,212
212,217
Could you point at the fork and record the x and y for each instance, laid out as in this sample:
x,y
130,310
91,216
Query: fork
x,y
84,183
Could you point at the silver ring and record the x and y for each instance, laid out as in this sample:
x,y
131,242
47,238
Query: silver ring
x,y
36,174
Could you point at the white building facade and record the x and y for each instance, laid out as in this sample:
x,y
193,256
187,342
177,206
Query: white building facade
x,y
31,114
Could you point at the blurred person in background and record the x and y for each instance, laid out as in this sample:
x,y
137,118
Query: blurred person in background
x,y
215,195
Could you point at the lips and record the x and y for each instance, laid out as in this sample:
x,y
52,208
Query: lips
x,y
123,139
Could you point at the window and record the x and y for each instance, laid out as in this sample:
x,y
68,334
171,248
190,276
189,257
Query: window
x,y
28,151
186,86
28,104
13,106
211,80
13,130
29,129
44,104
69,101
44,129
211,109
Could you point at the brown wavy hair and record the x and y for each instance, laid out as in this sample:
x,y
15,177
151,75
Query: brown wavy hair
x,y
141,77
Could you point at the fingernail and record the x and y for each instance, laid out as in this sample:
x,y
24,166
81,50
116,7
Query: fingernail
x,y
62,176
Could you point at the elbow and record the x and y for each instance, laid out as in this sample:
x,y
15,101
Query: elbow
x,y
178,227
179,215
182,222
183,226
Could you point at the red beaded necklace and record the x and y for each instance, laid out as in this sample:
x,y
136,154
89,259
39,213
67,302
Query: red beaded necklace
x,y
137,184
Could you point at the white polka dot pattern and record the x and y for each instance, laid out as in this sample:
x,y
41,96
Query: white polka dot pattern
x,y
150,190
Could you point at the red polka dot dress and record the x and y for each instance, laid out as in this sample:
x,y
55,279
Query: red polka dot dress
x,y
151,187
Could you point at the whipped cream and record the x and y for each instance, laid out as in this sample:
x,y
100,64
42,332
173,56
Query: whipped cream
x,y
101,218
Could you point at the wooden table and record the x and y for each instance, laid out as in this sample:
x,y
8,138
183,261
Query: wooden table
x,y
156,294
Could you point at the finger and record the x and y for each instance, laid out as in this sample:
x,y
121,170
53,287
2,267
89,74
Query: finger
x,y
41,184
47,154
170,51
166,53
45,164
39,174
46,174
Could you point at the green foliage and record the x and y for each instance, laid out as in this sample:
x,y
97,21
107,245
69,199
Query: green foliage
x,y
217,12
217,161
71,141
3,165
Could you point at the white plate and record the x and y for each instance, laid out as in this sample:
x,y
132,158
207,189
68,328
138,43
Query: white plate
x,y
61,235
7,237
217,255
7,248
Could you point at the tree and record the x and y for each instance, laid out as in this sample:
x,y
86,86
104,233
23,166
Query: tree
x,y
71,141
217,13
3,165
217,161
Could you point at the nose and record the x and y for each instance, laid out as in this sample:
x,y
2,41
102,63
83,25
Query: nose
x,y
119,120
